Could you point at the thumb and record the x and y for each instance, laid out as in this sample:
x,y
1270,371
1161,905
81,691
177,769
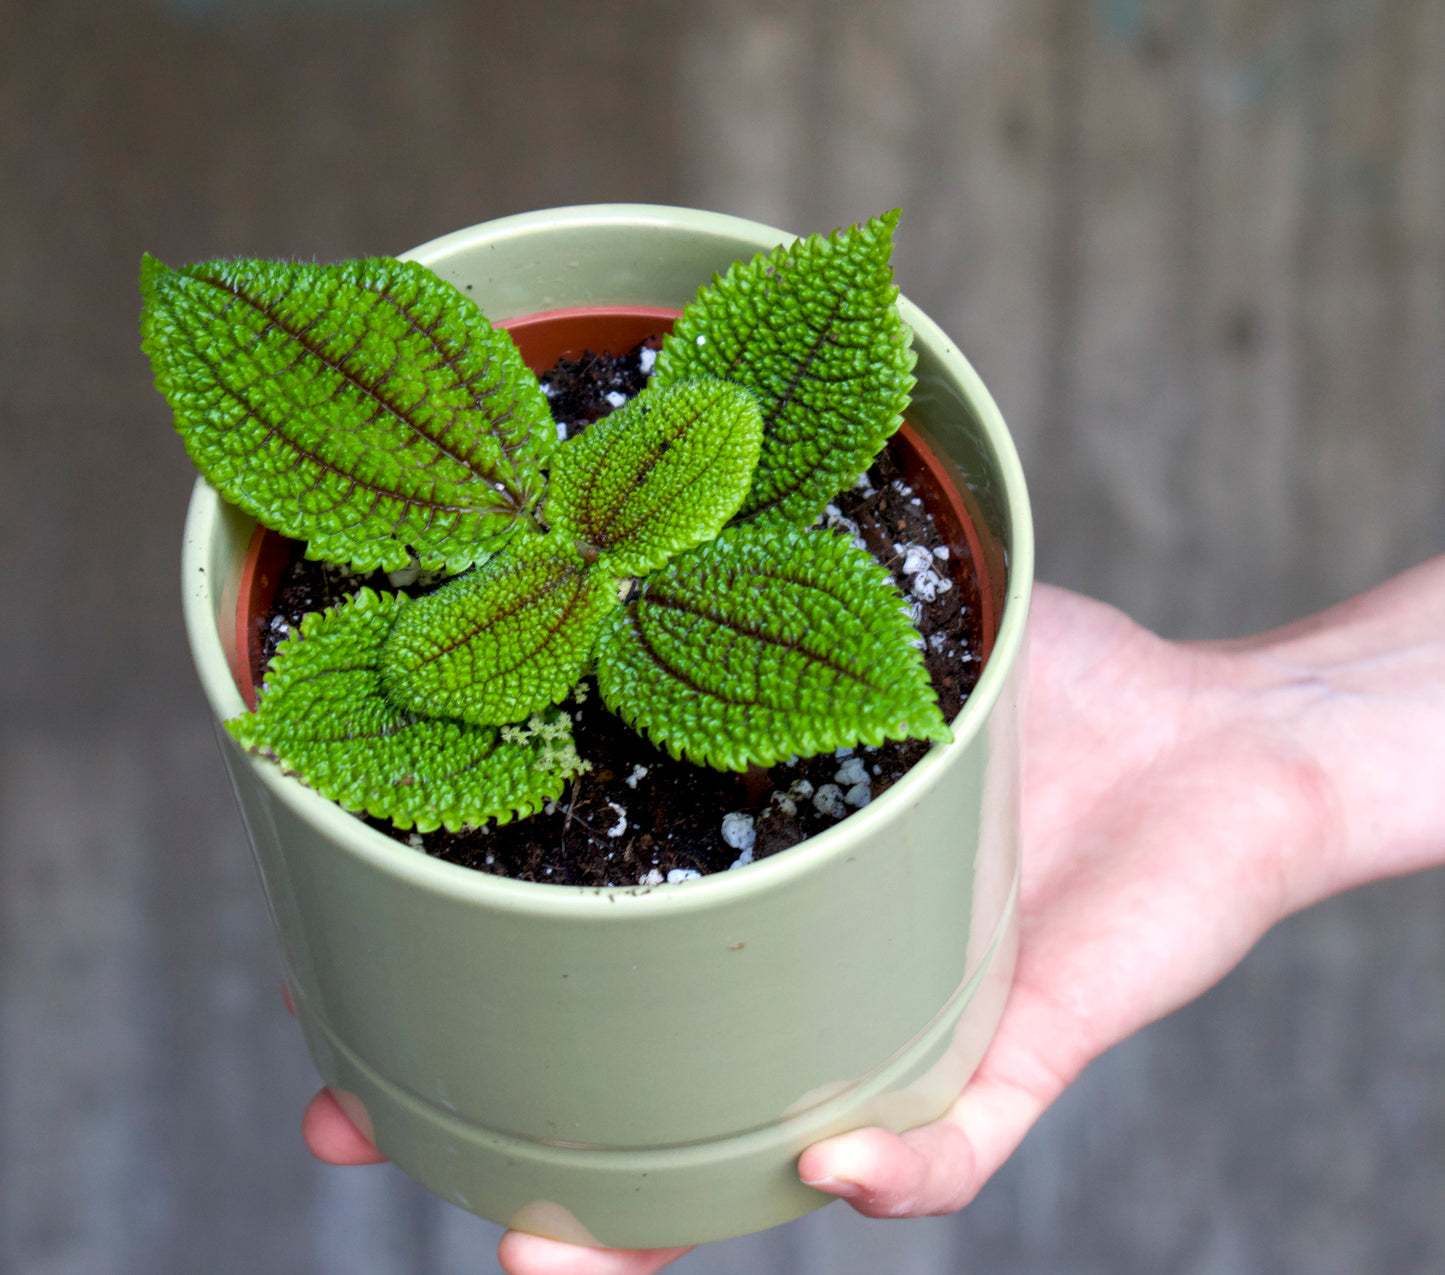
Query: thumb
x,y
940,1167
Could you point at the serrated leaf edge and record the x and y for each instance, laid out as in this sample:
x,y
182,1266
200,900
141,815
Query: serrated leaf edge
x,y
809,740
388,803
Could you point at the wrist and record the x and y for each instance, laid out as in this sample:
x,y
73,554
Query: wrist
x,y
1355,698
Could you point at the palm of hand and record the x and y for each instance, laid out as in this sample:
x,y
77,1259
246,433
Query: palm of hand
x,y
1155,834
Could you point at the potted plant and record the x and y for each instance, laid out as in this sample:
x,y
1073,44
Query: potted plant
x,y
641,1067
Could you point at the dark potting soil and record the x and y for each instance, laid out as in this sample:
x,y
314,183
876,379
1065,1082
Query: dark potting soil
x,y
638,817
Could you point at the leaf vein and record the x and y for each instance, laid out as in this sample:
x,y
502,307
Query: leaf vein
x,y
274,430
738,628
371,391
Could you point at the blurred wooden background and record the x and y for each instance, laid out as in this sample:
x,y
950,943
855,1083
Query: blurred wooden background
x,y
1196,248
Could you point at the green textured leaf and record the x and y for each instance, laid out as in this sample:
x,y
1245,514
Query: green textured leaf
x,y
661,474
502,641
361,407
324,715
812,331
769,641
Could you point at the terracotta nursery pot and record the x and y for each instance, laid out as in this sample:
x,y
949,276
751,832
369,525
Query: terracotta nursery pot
x,y
642,1066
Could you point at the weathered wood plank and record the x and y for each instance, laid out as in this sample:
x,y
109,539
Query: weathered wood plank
x,y
1197,250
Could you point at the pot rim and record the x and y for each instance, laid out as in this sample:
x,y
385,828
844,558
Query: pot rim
x,y
719,889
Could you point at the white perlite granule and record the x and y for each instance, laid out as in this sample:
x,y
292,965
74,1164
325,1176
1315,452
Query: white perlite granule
x,y
916,558
654,877
638,772
683,874
941,552
833,517
859,794
620,826
738,831
742,860
851,772
615,397
646,359
561,431
828,800
926,583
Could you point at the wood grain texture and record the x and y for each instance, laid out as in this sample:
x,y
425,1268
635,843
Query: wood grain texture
x,y
1196,249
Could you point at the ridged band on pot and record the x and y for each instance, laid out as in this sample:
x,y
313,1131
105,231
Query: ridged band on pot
x,y
642,1066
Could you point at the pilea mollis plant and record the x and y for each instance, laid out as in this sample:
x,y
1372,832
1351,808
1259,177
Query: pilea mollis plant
x,y
370,409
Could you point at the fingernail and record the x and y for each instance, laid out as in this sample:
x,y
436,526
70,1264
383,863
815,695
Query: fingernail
x,y
841,1187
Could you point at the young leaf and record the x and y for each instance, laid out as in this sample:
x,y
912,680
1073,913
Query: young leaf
x,y
361,407
811,329
767,642
324,715
661,474
502,641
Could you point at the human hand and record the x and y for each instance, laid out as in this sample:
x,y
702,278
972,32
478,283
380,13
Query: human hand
x,y
331,1136
1178,800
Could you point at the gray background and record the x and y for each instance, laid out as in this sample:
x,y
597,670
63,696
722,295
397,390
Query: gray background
x,y
1197,250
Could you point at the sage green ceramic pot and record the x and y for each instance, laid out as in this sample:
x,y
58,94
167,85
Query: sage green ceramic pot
x,y
642,1067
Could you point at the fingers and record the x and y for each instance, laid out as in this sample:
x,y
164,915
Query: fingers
x,y
331,1136
522,1254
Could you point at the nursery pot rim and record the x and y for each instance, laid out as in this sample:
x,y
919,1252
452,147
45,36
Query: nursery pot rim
x,y
621,903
